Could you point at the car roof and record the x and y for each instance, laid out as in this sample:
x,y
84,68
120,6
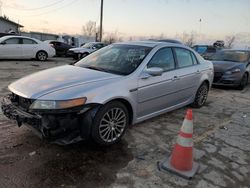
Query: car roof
x,y
151,44
16,36
167,40
94,43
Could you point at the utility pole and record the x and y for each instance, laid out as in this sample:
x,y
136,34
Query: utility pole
x,y
1,4
101,20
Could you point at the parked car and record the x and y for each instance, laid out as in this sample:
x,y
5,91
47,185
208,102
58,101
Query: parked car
x,y
206,51
60,47
219,44
98,97
86,49
167,40
232,68
19,47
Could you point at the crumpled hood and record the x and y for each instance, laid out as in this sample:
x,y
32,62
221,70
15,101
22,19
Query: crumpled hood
x,y
222,66
54,79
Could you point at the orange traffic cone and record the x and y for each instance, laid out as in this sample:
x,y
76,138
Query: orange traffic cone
x,y
181,160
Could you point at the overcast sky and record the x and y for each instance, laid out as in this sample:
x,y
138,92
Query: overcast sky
x,y
133,17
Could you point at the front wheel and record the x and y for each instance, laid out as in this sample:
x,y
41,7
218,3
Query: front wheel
x,y
110,123
201,96
244,82
81,56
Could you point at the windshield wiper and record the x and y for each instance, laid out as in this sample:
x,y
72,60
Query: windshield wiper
x,y
94,68
105,70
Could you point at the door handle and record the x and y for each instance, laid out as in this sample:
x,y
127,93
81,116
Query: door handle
x,y
175,78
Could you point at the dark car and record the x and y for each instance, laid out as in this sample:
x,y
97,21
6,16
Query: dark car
x,y
167,40
206,51
232,68
60,47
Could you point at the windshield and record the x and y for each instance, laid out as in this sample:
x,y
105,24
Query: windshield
x,y
88,45
200,49
117,59
231,55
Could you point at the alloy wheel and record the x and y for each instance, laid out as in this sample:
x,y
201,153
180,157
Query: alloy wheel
x,y
202,95
112,124
41,56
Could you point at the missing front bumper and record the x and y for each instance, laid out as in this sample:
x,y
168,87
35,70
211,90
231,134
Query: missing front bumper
x,y
60,128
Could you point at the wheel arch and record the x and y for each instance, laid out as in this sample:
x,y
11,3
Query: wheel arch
x,y
206,82
127,105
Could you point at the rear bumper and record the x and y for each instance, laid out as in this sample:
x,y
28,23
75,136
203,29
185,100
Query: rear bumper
x,y
60,128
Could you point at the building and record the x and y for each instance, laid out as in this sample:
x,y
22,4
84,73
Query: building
x,y
8,26
40,36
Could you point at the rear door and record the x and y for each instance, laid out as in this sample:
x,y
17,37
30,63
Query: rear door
x,y
188,74
156,93
29,48
11,48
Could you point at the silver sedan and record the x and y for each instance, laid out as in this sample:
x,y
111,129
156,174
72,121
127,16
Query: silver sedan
x,y
99,96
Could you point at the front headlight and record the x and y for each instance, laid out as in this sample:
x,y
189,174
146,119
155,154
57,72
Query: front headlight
x,y
233,71
55,105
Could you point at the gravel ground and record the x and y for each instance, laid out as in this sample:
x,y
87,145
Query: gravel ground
x,y
221,136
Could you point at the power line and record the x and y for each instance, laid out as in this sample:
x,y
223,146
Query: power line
x,y
38,8
50,11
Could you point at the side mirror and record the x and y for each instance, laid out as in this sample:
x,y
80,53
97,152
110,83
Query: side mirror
x,y
152,71
3,43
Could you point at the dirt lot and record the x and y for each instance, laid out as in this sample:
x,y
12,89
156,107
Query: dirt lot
x,y
222,146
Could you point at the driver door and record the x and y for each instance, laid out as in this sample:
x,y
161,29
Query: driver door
x,y
11,48
156,93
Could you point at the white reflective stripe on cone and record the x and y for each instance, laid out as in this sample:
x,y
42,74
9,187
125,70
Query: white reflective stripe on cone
x,y
187,126
185,142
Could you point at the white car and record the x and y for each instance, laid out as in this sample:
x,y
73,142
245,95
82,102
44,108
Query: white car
x,y
86,49
19,47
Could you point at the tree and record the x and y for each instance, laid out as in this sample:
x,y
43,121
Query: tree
x,y
189,39
89,29
230,41
112,38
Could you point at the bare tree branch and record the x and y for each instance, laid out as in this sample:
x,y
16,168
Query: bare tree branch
x,y
230,41
89,29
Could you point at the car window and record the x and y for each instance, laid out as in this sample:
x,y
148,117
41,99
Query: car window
x,y
184,58
58,43
201,49
12,41
195,62
29,41
98,46
164,59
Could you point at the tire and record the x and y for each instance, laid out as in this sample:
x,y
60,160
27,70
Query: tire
x,y
41,56
110,123
201,96
81,56
243,82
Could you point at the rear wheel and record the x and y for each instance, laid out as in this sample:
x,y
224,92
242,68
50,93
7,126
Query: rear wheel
x,y
201,96
41,56
244,82
81,56
110,123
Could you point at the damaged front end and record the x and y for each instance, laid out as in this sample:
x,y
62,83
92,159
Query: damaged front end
x,y
60,126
